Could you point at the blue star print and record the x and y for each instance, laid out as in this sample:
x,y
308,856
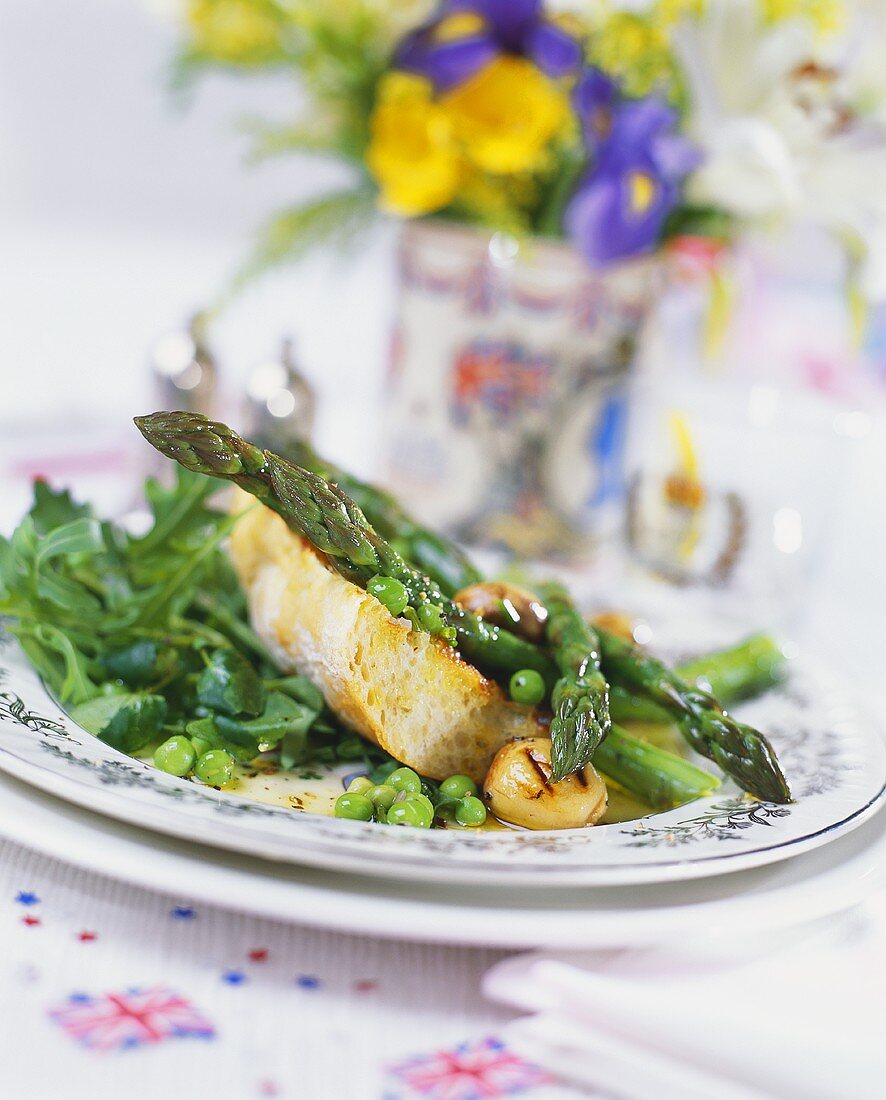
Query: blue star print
x,y
234,977
183,912
25,897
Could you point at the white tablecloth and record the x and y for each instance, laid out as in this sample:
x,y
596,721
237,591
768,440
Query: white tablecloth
x,y
110,990
107,990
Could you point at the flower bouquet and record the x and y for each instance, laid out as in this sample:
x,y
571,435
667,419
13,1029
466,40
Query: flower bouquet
x,y
544,158
496,113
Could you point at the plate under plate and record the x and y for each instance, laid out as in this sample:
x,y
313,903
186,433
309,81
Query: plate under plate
x,y
718,909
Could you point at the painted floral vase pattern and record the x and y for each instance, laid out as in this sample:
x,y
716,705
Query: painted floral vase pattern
x,y
506,392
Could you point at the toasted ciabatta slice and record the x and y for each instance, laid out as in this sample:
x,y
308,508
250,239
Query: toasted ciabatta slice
x,y
411,694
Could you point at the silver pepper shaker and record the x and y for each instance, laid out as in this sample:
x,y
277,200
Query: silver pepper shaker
x,y
280,402
184,371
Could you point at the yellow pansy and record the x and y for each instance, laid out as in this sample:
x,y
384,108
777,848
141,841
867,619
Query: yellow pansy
x,y
506,115
412,151
234,30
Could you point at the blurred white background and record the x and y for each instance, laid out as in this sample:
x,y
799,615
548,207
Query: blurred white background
x,y
124,208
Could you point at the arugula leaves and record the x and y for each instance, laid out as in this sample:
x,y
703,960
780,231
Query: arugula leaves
x,y
282,717
230,685
148,636
54,509
136,665
126,722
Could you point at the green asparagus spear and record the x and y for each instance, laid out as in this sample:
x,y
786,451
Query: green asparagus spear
x,y
738,749
580,700
739,672
332,522
628,705
434,555
657,777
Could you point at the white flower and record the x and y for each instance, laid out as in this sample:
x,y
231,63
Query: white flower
x,y
776,111
865,70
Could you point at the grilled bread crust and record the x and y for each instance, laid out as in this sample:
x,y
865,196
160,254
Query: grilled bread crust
x,y
408,692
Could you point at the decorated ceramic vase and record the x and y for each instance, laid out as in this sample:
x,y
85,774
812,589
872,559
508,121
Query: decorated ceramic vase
x,y
506,405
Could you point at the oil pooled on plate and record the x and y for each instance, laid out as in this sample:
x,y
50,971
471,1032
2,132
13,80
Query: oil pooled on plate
x,y
315,789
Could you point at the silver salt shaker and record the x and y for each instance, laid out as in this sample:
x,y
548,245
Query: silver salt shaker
x,y
184,371
280,402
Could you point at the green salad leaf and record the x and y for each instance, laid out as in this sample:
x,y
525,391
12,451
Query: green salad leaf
x,y
54,509
230,685
281,716
301,689
80,536
127,722
147,636
135,664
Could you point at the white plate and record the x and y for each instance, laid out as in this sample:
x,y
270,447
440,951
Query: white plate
x,y
834,760
720,908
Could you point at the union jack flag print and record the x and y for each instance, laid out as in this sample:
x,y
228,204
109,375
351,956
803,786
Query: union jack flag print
x,y
481,1070
503,378
121,1021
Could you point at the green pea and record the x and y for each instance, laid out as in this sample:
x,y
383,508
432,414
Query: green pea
x,y
527,687
360,784
470,812
405,779
381,773
450,634
419,799
215,767
201,745
355,807
445,811
457,786
430,618
410,812
390,592
175,756
381,795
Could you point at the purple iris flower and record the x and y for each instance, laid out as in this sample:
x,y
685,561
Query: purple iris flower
x,y
594,98
619,208
508,27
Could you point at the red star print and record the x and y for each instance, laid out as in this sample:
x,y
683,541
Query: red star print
x,y
87,937
367,985
30,921
258,955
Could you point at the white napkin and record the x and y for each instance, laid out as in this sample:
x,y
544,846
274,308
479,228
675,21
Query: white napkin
x,y
799,1016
